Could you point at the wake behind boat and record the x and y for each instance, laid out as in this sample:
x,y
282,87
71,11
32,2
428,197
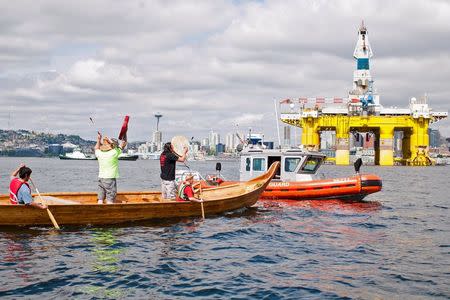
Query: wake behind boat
x,y
82,208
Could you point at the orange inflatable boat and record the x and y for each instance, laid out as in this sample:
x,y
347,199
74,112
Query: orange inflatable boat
x,y
296,178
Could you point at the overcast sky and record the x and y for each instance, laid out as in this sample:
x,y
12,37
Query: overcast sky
x,y
208,64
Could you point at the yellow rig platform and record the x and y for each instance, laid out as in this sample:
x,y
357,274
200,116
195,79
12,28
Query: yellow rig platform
x,y
361,112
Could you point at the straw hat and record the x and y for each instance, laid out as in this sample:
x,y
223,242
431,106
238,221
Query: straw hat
x,y
108,144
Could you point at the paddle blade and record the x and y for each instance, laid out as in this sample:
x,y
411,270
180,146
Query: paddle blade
x,y
357,165
124,129
218,166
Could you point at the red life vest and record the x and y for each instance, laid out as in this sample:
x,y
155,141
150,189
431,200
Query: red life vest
x,y
14,188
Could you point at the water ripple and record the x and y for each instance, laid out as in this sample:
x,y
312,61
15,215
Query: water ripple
x,y
394,244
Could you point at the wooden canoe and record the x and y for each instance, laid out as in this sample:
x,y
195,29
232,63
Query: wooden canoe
x,y
82,208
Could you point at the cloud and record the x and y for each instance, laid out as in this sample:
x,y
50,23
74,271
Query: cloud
x,y
210,65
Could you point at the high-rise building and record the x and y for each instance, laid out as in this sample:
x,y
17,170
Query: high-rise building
x,y
231,141
214,139
205,142
434,138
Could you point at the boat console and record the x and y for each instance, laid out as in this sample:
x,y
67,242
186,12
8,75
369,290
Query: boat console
x,y
296,164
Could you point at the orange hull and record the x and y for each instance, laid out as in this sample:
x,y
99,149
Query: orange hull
x,y
354,188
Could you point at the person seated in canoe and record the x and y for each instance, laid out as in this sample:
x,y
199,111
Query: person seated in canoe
x,y
107,153
185,190
19,189
168,161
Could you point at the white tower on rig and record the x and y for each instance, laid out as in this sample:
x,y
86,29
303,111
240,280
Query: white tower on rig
x,y
362,79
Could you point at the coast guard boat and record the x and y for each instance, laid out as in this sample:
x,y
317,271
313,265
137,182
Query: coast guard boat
x,y
297,177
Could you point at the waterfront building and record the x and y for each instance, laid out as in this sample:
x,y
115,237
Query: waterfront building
x,y
214,139
231,142
220,148
435,138
205,142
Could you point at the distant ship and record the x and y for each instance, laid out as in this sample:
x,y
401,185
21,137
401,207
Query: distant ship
x,y
78,155
126,156
150,155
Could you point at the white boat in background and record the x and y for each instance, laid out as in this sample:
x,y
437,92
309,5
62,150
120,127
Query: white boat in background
x,y
149,155
77,155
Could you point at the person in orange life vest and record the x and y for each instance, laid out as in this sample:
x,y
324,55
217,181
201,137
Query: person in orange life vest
x,y
19,189
185,191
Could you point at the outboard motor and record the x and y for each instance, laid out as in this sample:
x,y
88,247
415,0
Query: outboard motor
x,y
218,169
357,165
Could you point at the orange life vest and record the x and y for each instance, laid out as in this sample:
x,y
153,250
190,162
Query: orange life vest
x,y
14,188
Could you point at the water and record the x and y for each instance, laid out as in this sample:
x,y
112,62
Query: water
x,y
395,246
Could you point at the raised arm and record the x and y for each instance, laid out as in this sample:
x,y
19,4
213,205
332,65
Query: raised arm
x,y
183,157
124,142
16,171
99,140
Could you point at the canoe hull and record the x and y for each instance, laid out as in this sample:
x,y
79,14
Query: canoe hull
x,y
100,214
82,208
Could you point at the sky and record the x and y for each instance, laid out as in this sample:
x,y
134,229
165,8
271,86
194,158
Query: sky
x,y
208,65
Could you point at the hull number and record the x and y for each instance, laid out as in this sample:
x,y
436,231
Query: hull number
x,y
279,184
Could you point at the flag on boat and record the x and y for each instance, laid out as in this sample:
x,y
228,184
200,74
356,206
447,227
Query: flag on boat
x,y
303,100
124,129
286,101
320,100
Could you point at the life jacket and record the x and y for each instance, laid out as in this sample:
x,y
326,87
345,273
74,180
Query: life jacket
x,y
181,193
14,188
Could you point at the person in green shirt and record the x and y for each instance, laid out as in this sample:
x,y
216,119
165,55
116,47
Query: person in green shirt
x,y
107,153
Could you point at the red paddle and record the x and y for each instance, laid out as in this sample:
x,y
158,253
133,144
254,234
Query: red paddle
x,y
123,131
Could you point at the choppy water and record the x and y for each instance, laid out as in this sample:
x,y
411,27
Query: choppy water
x,y
395,246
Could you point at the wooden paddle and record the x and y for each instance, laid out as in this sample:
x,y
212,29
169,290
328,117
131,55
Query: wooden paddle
x,y
200,200
201,203
50,215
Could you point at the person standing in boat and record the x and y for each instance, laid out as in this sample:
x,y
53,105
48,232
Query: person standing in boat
x,y
107,154
19,189
168,161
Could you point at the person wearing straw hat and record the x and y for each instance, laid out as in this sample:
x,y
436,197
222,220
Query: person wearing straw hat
x,y
185,190
107,151
168,161
19,189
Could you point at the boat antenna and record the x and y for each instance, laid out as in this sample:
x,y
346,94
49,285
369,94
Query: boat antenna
x,y
278,125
